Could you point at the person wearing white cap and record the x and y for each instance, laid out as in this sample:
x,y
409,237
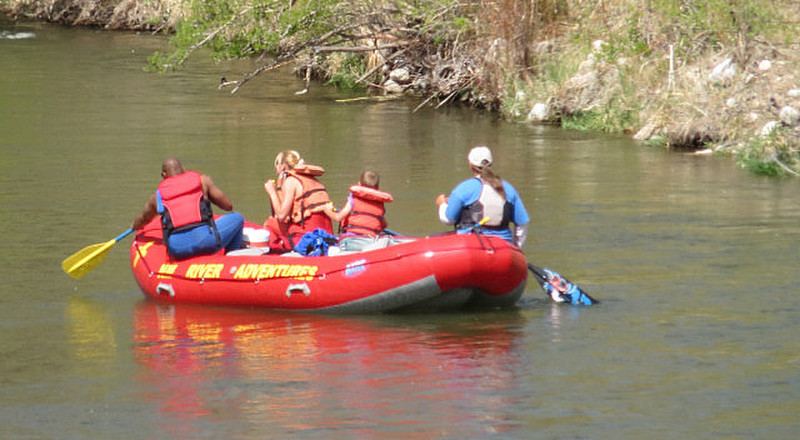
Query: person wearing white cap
x,y
483,195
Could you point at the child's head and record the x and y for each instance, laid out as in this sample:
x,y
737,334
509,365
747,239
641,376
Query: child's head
x,y
370,179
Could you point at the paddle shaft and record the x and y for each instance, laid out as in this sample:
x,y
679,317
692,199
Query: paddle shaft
x,y
123,235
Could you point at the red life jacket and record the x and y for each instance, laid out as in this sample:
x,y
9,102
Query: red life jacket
x,y
313,197
368,214
182,205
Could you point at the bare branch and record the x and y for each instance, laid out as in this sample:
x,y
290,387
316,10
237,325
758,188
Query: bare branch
x,y
785,167
321,49
273,65
377,67
291,54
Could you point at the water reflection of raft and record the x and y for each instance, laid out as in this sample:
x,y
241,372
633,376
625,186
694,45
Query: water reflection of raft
x,y
444,272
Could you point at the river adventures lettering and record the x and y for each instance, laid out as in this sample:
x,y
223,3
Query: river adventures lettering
x,y
264,271
243,272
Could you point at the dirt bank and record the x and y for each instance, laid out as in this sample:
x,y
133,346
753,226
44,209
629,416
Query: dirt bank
x,y
697,82
121,15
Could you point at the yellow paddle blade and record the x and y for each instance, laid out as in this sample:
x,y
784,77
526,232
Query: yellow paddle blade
x,y
82,262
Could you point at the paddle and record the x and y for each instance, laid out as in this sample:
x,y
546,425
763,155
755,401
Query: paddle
x,y
82,262
554,284
559,288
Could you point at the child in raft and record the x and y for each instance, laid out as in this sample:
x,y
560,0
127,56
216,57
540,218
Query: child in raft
x,y
364,213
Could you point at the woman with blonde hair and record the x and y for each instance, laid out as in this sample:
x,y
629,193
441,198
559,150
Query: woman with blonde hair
x,y
298,201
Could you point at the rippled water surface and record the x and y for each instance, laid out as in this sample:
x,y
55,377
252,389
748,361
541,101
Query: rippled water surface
x,y
695,262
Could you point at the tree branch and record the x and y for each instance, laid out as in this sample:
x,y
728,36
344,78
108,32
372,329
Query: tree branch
x,y
320,49
212,35
291,54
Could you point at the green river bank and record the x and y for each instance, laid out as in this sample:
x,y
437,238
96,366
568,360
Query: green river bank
x,y
711,77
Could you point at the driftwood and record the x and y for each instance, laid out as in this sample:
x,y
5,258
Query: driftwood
x,y
786,168
369,98
321,49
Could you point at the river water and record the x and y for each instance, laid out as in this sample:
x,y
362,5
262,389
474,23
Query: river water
x,y
694,260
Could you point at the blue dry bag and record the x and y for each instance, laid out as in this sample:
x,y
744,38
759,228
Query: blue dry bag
x,y
315,243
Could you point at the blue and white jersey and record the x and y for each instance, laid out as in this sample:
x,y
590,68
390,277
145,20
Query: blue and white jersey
x,y
469,191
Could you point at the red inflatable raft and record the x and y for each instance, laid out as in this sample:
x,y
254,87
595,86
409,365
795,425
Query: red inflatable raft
x,y
361,275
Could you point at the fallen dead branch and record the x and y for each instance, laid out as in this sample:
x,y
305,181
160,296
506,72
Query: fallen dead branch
x,y
323,49
292,54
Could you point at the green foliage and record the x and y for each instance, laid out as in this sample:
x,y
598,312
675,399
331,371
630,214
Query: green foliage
x,y
639,31
345,69
515,102
612,119
186,34
656,141
695,24
441,21
770,155
629,41
586,121
239,28
462,23
761,166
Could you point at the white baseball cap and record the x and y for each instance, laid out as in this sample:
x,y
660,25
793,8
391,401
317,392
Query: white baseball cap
x,y
480,157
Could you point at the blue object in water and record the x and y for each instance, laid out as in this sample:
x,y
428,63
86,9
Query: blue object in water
x,y
559,288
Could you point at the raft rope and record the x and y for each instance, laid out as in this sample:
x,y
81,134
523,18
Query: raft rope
x,y
152,273
142,259
477,230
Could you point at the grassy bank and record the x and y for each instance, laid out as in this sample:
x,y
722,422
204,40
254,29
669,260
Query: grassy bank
x,y
711,76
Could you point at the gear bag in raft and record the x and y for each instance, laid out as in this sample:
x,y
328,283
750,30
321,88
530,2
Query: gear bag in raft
x,y
315,243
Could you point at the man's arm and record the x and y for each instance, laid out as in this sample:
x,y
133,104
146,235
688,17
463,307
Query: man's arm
x,y
215,194
147,214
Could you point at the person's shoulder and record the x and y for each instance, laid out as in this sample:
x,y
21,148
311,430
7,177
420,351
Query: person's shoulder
x,y
205,179
471,182
469,185
509,188
292,181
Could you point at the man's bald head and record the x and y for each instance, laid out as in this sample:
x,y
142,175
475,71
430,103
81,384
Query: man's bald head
x,y
171,167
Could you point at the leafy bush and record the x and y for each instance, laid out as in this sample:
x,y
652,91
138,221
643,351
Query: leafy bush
x,y
773,155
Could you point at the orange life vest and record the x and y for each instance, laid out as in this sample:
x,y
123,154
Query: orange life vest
x,y
313,196
368,213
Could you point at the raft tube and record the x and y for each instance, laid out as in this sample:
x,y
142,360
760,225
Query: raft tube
x,y
360,275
